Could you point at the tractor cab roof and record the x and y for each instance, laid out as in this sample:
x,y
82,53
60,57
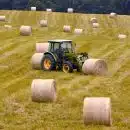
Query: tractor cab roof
x,y
60,40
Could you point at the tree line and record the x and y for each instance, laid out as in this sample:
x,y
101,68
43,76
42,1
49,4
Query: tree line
x,y
81,6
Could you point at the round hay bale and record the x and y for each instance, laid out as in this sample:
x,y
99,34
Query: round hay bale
x,y
112,15
33,8
49,10
70,10
8,27
42,47
95,67
25,30
43,90
67,28
36,60
93,20
95,25
122,36
43,23
2,18
78,31
97,110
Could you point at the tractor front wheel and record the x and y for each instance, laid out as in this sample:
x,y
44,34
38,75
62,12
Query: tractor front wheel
x,y
67,67
48,63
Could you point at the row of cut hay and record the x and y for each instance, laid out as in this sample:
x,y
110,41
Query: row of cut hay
x,y
67,28
27,30
69,10
96,110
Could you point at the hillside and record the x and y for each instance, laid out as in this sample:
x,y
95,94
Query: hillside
x,y
17,110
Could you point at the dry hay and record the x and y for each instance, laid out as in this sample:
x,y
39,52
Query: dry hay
x,y
112,15
33,8
97,110
25,30
122,36
93,20
78,31
8,27
43,23
66,28
95,67
95,25
42,47
2,18
36,60
48,10
43,90
70,10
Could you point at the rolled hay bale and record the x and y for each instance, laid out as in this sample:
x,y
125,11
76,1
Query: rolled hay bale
x,y
48,10
42,47
25,30
97,110
78,31
43,90
8,27
93,20
95,25
43,23
122,36
70,10
66,28
2,18
95,67
33,8
112,15
36,60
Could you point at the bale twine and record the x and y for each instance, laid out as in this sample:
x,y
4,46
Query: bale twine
x,y
93,20
43,23
97,110
43,90
8,27
25,30
95,67
122,36
36,60
42,47
49,10
78,31
67,28
70,10
95,25
33,8
2,18
112,15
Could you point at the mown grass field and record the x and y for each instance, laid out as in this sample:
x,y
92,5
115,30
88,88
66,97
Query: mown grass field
x,y
18,112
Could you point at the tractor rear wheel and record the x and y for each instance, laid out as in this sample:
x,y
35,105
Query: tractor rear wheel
x,y
67,67
48,63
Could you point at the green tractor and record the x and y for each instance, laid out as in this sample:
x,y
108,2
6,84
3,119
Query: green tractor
x,y
61,56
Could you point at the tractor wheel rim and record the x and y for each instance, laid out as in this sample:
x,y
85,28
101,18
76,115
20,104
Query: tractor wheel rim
x,y
66,68
47,64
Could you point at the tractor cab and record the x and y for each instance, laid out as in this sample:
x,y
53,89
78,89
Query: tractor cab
x,y
61,46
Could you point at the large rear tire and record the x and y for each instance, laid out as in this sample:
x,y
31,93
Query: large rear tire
x,y
67,67
48,63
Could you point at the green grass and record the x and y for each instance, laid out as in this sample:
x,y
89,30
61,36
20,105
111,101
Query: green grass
x,y
18,112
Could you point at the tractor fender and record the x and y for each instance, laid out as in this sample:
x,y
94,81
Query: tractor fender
x,y
51,55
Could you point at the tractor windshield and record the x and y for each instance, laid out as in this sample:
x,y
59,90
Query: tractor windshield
x,y
67,46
